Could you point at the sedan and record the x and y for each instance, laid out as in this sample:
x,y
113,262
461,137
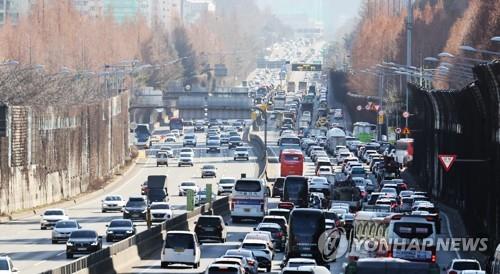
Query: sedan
x,y
241,153
83,242
119,229
63,229
208,171
112,203
185,186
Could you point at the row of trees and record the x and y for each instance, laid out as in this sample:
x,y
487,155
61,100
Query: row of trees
x,y
440,25
56,35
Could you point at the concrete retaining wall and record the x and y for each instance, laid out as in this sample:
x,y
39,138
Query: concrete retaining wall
x,y
53,153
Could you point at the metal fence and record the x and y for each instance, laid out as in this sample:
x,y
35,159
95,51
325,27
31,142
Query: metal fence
x,y
466,123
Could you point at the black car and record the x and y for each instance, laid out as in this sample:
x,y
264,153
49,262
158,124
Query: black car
x,y
83,241
235,141
119,229
135,209
199,127
209,227
278,187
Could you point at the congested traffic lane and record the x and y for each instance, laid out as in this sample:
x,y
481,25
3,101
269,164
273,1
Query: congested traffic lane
x,y
209,251
31,248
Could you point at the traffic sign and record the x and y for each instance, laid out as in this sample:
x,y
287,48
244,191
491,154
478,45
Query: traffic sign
x,y
359,107
406,131
397,130
447,161
380,119
406,114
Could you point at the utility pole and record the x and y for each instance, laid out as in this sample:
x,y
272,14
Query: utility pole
x,y
409,29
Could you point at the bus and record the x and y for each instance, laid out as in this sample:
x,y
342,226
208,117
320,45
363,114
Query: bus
x,y
177,123
292,162
279,102
248,199
296,190
304,230
364,131
404,151
289,142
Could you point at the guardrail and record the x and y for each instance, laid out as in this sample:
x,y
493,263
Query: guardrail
x,y
259,145
141,244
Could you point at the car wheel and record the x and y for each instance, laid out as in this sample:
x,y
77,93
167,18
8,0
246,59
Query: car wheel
x,y
179,165
69,256
234,158
164,265
197,265
180,193
268,269
54,242
108,239
192,165
157,165
103,211
202,176
43,228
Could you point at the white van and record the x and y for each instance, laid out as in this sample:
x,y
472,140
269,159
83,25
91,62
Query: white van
x,y
402,232
248,199
180,247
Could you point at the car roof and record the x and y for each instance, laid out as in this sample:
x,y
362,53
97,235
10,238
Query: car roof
x,y
181,232
254,241
274,225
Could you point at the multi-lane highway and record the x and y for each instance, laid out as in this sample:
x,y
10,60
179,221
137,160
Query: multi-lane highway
x,y
31,248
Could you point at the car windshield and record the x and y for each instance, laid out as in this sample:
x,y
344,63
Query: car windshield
x,y
466,266
241,149
248,186
253,246
208,167
297,264
4,264
208,221
83,234
120,223
222,270
160,206
66,224
112,198
53,213
186,155
179,241
136,204
188,184
227,181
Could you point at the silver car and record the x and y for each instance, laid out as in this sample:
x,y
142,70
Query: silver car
x,y
63,229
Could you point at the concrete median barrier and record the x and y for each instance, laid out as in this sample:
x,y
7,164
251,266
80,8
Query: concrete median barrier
x,y
140,246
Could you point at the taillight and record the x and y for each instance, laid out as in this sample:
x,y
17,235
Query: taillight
x,y
452,272
433,259
251,262
231,205
389,254
280,234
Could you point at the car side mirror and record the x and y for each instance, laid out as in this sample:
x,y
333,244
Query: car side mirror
x,y
135,225
254,229
107,225
80,227
195,222
15,269
226,223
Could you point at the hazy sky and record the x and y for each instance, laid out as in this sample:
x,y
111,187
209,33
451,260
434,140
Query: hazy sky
x,y
333,13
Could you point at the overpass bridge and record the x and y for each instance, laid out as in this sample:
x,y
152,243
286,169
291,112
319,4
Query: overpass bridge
x,y
196,103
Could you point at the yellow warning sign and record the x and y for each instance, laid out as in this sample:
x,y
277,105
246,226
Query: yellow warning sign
x,y
380,119
406,131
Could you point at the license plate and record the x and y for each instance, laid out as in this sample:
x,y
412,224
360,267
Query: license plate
x,y
247,209
412,254
81,249
135,215
306,255
119,235
179,249
209,229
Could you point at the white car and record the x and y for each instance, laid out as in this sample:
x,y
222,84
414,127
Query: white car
x,y
310,269
51,216
160,211
261,251
185,159
297,262
180,247
318,184
185,186
6,265
325,171
457,266
63,229
112,203
226,185
241,153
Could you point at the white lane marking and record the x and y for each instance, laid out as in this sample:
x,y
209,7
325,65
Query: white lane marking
x,y
449,232
59,254
147,269
41,262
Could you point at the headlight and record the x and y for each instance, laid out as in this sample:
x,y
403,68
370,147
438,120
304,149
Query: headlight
x,y
69,243
44,221
95,243
109,232
130,231
125,210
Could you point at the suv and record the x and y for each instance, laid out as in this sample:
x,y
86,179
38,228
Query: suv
x,y
277,234
226,185
209,227
213,144
235,141
189,140
278,187
185,158
162,158
135,208
241,153
458,265
199,127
